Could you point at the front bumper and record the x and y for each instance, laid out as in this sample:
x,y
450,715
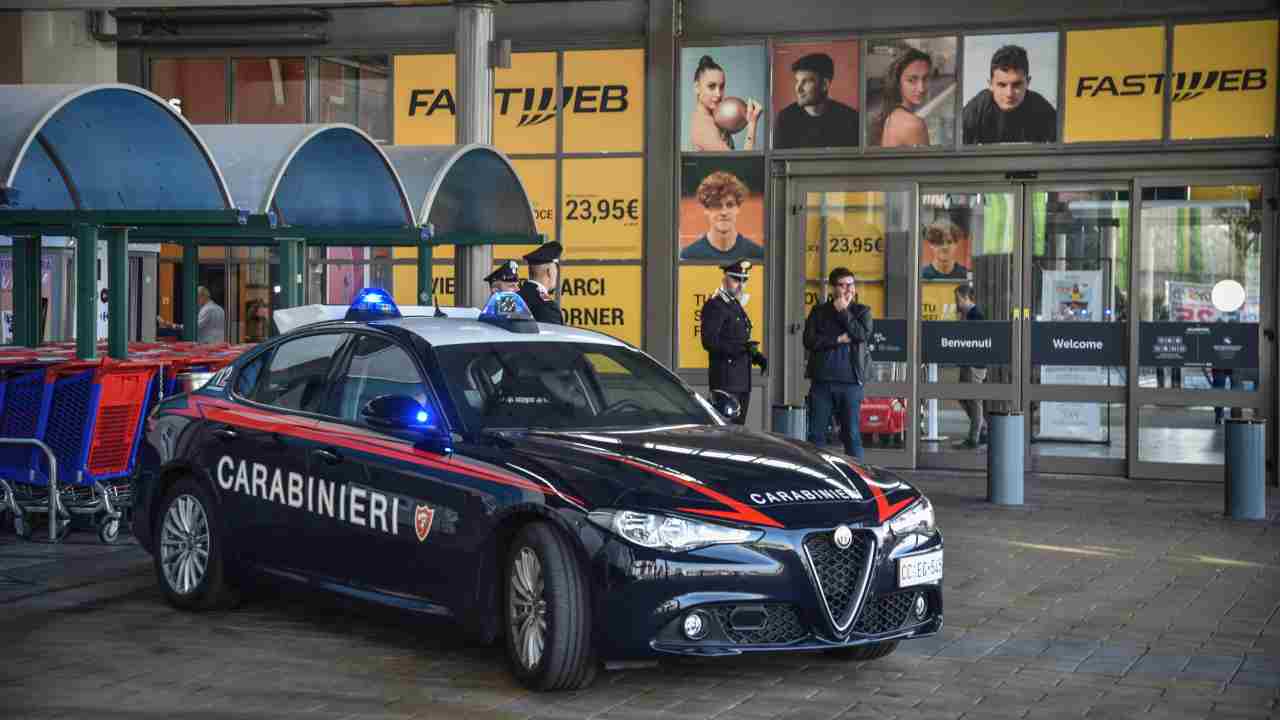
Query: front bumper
x,y
763,597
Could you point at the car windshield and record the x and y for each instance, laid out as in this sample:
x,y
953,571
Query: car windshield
x,y
564,386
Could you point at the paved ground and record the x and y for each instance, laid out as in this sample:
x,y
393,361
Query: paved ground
x,y
1099,599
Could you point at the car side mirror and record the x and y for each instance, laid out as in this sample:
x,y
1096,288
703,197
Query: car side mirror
x,y
405,414
726,404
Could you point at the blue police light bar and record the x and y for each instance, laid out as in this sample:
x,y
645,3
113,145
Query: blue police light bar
x,y
508,310
373,304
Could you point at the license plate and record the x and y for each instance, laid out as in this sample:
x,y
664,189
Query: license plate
x,y
874,419
920,569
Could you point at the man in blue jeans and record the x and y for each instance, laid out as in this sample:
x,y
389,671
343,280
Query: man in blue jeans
x,y
836,334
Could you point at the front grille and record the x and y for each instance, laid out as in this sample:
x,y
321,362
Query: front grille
x,y
782,625
885,614
841,573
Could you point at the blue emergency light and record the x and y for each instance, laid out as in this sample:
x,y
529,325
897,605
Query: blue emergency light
x,y
373,304
508,310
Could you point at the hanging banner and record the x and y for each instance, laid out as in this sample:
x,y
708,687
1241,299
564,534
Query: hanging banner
x,y
602,208
697,283
604,298
1115,85
1223,81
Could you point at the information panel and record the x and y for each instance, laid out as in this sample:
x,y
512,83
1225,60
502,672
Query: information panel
x,y
889,340
1213,345
970,342
1077,343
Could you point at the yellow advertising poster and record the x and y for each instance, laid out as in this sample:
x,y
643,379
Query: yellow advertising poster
x,y
604,298
1115,85
601,208
813,246
604,101
856,240
404,278
442,283
424,103
524,106
1223,82
539,178
938,300
872,295
697,283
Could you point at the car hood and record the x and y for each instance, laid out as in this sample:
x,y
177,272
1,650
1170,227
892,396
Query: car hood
x,y
728,473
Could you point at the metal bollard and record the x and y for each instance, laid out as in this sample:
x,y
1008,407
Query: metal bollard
x,y
1245,491
790,420
1005,457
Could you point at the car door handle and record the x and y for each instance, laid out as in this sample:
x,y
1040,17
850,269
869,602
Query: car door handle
x,y
329,456
226,434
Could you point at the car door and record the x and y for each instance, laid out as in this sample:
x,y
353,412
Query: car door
x,y
404,531
266,435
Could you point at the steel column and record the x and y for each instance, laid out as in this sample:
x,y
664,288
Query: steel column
x,y
86,291
26,291
472,36
117,292
426,293
293,265
190,281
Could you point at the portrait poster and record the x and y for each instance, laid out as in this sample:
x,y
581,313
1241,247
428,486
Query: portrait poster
x,y
911,92
1010,89
722,92
815,99
721,209
946,247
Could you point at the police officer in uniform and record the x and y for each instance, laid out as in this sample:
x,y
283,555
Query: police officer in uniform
x,y
505,279
726,336
544,277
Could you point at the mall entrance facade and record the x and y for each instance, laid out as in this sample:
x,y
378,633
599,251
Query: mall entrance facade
x,y
1126,314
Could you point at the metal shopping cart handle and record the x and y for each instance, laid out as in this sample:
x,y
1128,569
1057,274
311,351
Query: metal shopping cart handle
x,y
54,501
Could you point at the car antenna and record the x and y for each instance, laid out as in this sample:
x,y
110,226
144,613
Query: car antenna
x,y
438,313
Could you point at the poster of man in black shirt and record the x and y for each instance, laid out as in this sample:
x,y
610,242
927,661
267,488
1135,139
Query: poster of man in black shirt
x,y
815,119
1007,110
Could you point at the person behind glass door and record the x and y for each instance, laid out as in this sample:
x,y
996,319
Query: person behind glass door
x,y
906,87
836,336
211,322
709,87
968,310
726,336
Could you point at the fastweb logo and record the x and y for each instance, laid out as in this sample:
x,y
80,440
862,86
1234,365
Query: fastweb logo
x,y
1183,86
536,105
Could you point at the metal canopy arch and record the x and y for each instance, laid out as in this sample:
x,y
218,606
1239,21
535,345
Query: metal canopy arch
x,y
102,147
467,194
321,177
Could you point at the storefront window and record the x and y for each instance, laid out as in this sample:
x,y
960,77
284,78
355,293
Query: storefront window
x,y
196,87
269,90
355,90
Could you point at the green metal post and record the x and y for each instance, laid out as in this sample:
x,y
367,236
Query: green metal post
x,y
86,291
424,272
117,292
190,281
26,291
293,268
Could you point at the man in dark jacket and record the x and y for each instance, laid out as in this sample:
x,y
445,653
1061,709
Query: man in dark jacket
x,y
544,276
968,310
1009,110
726,336
836,334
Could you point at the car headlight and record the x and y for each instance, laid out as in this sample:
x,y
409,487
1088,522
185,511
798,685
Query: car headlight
x,y
670,532
916,519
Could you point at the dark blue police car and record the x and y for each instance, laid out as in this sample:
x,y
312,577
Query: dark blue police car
x,y
549,485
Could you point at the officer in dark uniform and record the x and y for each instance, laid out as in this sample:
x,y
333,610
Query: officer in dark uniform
x,y
544,277
726,336
505,279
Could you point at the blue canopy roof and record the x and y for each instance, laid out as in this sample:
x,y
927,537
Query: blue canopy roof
x,y
464,189
102,147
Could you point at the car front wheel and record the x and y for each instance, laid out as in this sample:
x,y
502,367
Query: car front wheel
x,y
189,556
547,612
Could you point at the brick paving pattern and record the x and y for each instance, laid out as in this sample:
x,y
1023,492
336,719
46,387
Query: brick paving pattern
x,y
1098,599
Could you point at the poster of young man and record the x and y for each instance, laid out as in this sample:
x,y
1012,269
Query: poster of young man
x,y
911,92
947,249
815,95
1011,88
723,90
722,209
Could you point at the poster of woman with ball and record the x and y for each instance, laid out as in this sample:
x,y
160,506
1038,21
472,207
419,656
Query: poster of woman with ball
x,y
723,108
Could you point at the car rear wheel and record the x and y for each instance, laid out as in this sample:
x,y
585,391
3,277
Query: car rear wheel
x,y
874,651
547,612
190,558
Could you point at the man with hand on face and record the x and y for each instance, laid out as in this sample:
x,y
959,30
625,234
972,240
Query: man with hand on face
x,y
836,335
544,278
726,336
1008,110
814,119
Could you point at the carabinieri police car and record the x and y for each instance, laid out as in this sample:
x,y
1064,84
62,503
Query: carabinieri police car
x,y
546,484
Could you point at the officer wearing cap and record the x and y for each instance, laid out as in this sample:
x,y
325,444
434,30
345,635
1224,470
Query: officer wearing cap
x,y
544,277
726,336
505,279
